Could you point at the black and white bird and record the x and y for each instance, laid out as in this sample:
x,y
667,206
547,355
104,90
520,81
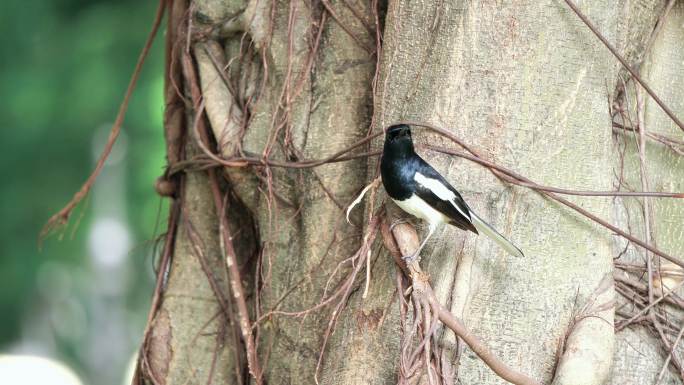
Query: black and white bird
x,y
421,191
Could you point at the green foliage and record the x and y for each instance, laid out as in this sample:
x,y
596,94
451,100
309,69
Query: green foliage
x,y
64,66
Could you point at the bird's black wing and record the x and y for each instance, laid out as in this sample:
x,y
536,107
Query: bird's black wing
x,y
438,193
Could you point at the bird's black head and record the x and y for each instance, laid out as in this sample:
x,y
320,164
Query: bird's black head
x,y
398,131
398,139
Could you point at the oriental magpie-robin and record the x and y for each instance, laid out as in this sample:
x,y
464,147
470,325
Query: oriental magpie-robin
x,y
421,191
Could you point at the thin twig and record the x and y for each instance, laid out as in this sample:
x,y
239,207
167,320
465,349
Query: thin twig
x,y
656,30
236,282
536,186
670,356
226,239
624,63
403,242
641,148
61,217
346,29
676,146
648,307
512,177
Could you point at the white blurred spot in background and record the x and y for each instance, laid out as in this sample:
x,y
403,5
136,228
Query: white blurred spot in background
x,y
109,246
109,242
130,370
84,305
34,370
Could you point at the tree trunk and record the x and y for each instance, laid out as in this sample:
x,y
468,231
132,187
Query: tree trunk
x,y
258,88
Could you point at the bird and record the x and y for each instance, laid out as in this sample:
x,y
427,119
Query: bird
x,y
420,190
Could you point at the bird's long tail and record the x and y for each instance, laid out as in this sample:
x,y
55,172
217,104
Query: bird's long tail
x,y
495,236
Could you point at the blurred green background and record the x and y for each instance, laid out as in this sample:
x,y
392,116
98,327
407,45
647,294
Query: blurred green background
x,y
64,67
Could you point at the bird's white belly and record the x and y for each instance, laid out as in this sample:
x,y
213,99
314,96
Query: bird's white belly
x,y
419,208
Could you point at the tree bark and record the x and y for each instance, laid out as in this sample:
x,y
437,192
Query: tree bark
x,y
525,83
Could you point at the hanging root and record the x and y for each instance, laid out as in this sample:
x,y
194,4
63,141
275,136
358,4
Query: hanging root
x,y
374,184
403,240
62,217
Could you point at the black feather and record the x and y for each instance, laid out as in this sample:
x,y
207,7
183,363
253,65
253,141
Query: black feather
x,y
398,168
448,208
397,175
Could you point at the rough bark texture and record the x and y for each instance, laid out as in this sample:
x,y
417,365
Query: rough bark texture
x,y
638,357
189,323
526,84
304,241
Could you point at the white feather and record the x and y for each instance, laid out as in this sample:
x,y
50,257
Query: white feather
x,y
484,228
420,209
439,189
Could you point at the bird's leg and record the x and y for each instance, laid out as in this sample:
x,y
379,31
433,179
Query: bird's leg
x,y
411,258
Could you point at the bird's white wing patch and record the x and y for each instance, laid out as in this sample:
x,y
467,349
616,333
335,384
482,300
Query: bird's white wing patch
x,y
435,186
439,189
